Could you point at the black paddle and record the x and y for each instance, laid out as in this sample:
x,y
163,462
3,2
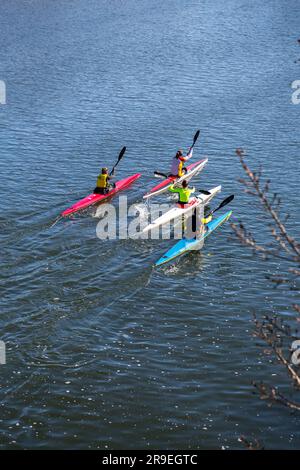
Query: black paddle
x,y
203,191
223,203
195,139
158,174
121,154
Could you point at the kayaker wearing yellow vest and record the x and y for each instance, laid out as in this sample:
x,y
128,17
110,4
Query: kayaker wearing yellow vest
x,y
198,222
184,193
103,184
205,220
177,168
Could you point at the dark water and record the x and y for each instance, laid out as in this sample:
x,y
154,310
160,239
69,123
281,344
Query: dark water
x,y
102,350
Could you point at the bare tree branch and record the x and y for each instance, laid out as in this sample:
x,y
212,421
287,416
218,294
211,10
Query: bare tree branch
x,y
274,396
273,331
267,204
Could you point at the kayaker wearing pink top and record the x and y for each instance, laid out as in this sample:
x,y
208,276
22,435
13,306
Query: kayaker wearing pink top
x,y
178,161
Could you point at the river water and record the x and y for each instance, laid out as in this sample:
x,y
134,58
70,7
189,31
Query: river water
x,y
103,351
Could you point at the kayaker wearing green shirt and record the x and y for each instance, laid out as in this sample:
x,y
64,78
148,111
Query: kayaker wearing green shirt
x,y
184,193
103,184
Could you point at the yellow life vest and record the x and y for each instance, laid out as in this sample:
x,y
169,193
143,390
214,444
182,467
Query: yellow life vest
x,y
207,219
180,166
102,181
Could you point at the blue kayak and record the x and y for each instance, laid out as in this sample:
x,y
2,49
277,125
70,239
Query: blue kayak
x,y
184,246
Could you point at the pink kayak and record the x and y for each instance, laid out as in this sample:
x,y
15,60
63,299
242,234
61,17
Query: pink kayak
x,y
95,198
192,170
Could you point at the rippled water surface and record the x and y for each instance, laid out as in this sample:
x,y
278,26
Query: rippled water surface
x,y
103,351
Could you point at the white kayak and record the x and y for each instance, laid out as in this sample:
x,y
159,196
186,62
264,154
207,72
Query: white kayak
x,y
181,209
192,170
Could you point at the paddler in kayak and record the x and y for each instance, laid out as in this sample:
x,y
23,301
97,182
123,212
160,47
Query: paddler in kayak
x,y
201,219
184,193
177,168
103,182
199,222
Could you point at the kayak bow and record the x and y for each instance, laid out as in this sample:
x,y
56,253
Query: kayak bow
x,y
96,198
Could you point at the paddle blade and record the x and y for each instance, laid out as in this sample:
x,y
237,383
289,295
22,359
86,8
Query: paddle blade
x,y
119,158
196,137
121,154
203,191
224,203
158,174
